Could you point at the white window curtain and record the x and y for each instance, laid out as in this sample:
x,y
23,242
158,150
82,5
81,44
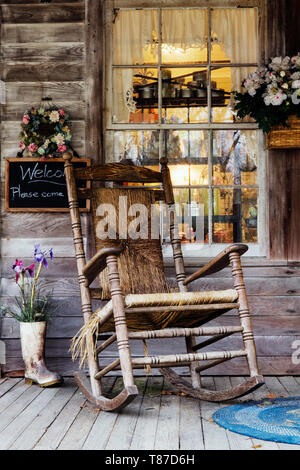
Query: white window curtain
x,y
134,30
236,31
184,29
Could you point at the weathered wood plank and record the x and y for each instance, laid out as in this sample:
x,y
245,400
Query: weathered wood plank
x,y
8,415
145,430
15,111
11,129
42,13
41,224
179,3
16,2
62,246
104,423
293,251
292,30
215,437
265,346
43,71
9,435
79,430
10,398
7,385
275,365
274,286
167,433
278,208
33,433
43,52
10,150
122,432
94,84
60,32
290,384
57,430
190,428
249,271
33,91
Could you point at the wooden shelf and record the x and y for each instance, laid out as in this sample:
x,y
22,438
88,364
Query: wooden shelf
x,y
148,103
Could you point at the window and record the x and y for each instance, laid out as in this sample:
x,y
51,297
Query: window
x,y
169,77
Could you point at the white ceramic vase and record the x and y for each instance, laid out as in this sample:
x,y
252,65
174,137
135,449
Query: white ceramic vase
x,y
33,348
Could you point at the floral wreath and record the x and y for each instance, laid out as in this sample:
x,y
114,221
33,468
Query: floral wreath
x,y
46,132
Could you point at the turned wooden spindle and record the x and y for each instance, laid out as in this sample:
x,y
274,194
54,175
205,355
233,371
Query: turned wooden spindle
x,y
244,313
120,320
81,262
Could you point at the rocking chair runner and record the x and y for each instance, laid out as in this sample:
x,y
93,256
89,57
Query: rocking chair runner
x,y
141,306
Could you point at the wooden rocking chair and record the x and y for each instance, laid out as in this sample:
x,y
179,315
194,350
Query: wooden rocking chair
x,y
140,306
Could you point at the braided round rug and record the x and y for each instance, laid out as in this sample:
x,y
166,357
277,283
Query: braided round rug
x,y
275,420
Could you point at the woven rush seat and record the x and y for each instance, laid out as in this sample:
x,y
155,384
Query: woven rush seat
x,y
139,321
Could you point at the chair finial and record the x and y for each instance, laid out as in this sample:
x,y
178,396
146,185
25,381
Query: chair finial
x,y
164,162
67,156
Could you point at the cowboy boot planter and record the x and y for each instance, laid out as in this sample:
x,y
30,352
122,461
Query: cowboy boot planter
x,y
33,346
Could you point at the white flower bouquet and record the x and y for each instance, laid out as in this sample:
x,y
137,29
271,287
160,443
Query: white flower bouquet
x,y
271,93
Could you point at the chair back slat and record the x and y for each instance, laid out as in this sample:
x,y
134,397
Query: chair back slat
x,y
141,262
118,172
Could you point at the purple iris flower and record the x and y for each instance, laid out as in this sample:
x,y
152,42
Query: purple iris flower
x,y
19,267
41,255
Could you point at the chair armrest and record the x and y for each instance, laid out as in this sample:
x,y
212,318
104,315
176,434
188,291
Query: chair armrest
x,y
218,263
98,262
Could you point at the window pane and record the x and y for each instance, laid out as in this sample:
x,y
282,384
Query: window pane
x,y
135,34
184,36
235,31
139,146
224,80
184,95
192,214
135,95
234,215
235,157
187,152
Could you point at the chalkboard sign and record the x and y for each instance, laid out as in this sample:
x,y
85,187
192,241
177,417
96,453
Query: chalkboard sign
x,y
39,186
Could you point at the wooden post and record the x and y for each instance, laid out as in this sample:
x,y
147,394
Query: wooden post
x,y
81,262
244,314
120,320
93,79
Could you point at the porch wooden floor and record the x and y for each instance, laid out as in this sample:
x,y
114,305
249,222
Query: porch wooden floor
x,y
158,419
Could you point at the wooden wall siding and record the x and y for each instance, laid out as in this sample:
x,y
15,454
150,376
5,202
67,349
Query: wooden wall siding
x,y
42,54
35,63
93,79
283,38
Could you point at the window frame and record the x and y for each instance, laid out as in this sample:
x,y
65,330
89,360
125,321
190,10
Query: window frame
x,y
191,250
